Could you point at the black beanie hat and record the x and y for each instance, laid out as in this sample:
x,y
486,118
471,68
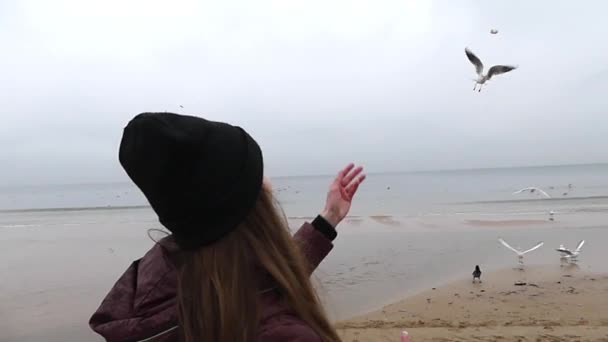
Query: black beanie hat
x,y
201,177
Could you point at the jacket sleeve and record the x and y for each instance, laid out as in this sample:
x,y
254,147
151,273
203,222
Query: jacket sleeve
x,y
314,244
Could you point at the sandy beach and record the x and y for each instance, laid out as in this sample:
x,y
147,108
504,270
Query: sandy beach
x,y
61,270
555,304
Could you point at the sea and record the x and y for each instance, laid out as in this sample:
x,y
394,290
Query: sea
x,y
383,194
63,246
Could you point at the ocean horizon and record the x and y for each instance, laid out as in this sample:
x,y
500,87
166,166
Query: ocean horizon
x,y
411,193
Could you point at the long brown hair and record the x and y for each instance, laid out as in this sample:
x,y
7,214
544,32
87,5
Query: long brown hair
x,y
219,285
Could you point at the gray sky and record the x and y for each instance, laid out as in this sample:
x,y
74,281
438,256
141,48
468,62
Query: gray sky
x,y
318,83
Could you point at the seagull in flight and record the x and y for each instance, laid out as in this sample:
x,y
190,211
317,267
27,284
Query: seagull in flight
x,y
495,70
520,254
532,190
568,254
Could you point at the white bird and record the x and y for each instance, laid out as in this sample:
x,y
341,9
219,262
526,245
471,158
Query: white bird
x,y
495,70
520,254
493,31
568,254
532,190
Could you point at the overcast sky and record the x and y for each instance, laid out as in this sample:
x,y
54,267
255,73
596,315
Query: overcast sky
x,y
318,83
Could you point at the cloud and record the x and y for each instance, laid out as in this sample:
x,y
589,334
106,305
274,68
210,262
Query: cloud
x,y
385,83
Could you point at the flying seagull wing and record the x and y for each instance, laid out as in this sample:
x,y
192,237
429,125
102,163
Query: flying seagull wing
x,y
504,243
564,250
534,248
520,191
580,245
500,69
475,60
543,192
532,190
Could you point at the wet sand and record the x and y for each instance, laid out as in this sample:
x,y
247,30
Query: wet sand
x,y
506,223
58,266
555,304
386,220
375,264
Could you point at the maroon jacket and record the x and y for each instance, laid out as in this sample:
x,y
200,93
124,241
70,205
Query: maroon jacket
x,y
142,305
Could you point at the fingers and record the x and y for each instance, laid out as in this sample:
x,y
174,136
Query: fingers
x,y
351,175
344,172
345,195
351,190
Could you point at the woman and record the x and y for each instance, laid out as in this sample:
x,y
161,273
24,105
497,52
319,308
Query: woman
x,y
230,271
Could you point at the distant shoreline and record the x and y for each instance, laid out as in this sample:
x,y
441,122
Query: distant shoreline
x,y
325,175
70,209
128,207
398,172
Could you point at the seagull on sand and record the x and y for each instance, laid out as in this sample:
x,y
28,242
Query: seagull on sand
x,y
568,254
520,254
532,190
477,273
495,70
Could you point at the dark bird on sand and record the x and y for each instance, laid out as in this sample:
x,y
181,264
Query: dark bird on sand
x,y
477,273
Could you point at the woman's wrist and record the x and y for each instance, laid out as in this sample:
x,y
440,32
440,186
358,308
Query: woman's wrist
x,y
330,218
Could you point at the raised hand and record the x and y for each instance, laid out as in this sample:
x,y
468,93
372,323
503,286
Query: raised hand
x,y
341,193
